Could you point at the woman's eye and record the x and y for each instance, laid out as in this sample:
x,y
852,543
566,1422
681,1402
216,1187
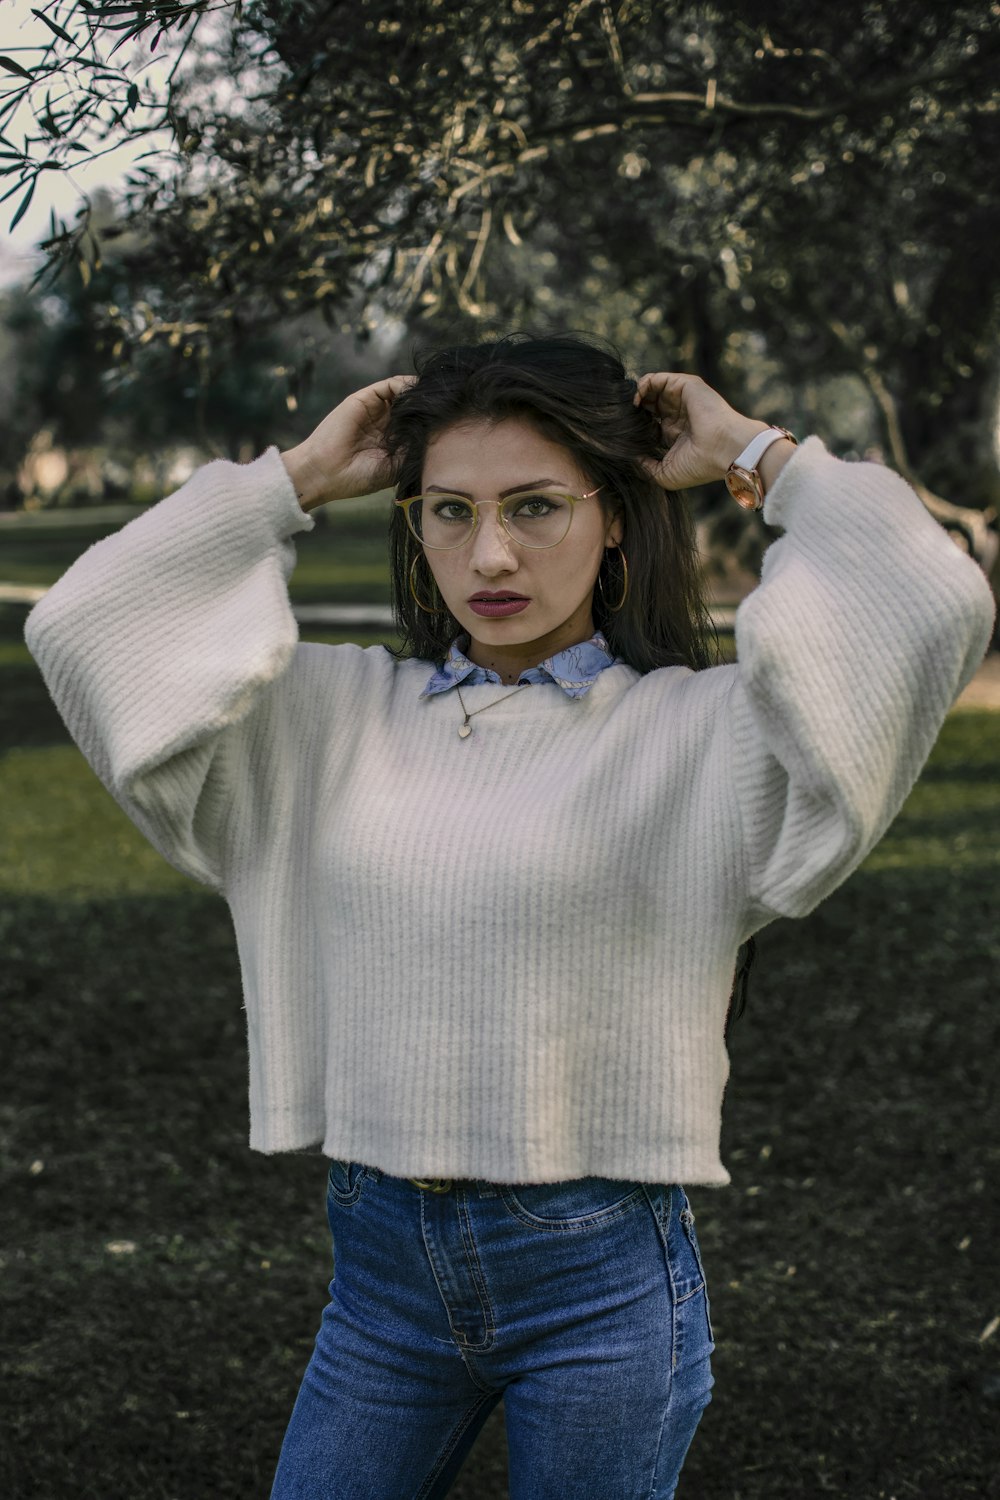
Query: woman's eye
x,y
447,506
537,505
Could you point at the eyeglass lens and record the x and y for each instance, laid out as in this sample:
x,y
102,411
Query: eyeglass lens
x,y
534,520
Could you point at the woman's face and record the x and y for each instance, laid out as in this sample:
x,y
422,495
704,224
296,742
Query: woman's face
x,y
480,459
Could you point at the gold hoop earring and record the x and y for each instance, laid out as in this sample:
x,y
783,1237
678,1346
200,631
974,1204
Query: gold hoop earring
x,y
413,591
614,608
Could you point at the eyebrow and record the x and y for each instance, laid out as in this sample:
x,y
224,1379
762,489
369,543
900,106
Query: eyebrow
x,y
529,484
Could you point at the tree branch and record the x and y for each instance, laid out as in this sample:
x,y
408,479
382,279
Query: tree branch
x,y
977,527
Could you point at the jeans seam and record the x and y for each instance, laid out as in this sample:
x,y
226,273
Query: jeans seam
x,y
443,1457
663,1427
472,1249
687,1224
487,1307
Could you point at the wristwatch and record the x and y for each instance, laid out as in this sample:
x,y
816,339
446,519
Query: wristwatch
x,y
742,477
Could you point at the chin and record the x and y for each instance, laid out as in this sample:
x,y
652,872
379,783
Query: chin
x,y
511,631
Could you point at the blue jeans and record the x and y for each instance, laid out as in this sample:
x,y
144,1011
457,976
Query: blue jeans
x,y
582,1304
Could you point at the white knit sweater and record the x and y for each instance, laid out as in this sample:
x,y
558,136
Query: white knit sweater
x,y
507,956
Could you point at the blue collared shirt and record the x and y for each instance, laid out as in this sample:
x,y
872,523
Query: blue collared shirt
x,y
574,669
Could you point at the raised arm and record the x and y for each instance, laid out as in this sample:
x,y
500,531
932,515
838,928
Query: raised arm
x,y
162,636
867,624
161,644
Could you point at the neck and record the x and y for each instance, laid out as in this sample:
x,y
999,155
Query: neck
x,y
509,661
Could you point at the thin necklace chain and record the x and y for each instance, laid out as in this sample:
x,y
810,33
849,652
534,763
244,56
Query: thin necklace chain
x,y
465,729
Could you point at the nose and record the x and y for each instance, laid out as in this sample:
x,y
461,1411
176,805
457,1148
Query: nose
x,y
492,550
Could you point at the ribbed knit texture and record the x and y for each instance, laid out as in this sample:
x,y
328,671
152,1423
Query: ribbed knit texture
x,y
508,956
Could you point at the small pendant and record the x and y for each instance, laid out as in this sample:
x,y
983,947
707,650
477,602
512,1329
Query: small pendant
x,y
464,731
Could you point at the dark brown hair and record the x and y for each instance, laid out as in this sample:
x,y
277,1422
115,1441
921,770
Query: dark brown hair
x,y
575,390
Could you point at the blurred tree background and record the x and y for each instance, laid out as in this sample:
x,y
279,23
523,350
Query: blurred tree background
x,y
796,202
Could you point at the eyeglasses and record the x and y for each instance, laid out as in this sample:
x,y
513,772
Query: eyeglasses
x,y
532,518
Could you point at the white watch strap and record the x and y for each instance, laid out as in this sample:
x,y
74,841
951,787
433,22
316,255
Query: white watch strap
x,y
757,447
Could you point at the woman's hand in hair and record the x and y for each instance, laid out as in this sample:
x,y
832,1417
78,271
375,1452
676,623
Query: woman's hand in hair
x,y
344,456
703,432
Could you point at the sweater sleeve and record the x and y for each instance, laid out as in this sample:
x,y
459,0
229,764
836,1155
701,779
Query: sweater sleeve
x,y
162,638
866,625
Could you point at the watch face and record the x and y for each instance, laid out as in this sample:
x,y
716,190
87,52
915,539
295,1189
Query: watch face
x,y
742,491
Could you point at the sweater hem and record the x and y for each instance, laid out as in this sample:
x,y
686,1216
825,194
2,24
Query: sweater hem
x,y
651,1166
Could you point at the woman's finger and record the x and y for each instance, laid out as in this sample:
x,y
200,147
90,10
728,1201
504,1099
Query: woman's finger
x,y
394,385
387,389
661,391
378,397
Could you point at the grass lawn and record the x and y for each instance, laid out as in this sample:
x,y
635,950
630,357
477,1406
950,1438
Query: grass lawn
x,y
161,1285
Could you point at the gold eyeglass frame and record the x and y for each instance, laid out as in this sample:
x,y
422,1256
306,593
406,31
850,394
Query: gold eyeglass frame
x,y
574,500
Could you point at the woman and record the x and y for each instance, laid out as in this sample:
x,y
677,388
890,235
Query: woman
x,y
489,890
